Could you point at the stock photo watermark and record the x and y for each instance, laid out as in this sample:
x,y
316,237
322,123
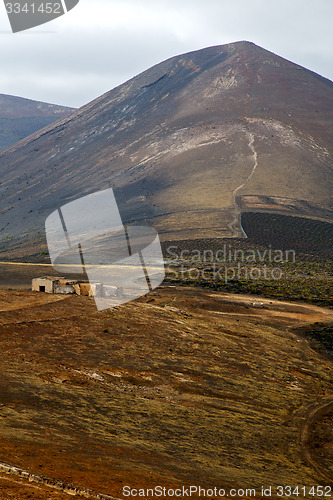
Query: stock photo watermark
x,y
266,491
87,236
227,263
27,14
122,263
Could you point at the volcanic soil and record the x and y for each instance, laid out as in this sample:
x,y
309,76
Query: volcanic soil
x,y
184,386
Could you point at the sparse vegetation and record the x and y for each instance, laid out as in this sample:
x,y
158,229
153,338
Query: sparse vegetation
x,y
146,392
309,278
282,231
323,337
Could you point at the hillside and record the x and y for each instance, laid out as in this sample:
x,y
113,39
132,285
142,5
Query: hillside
x,y
22,117
181,387
188,146
221,376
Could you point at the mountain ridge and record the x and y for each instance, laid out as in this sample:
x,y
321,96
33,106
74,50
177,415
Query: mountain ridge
x,y
178,142
21,117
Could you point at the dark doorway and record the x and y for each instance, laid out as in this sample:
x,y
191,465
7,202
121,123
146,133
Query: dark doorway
x,y
42,288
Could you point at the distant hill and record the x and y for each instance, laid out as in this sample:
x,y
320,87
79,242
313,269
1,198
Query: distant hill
x,y
22,117
188,146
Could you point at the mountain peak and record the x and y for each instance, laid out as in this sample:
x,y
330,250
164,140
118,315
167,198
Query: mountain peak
x,y
187,145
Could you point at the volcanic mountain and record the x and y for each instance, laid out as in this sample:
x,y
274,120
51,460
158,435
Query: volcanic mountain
x,y
187,145
22,117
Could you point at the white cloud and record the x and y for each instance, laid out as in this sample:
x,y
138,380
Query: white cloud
x,y
101,43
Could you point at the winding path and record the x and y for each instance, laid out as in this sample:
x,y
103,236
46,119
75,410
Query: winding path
x,y
235,225
314,413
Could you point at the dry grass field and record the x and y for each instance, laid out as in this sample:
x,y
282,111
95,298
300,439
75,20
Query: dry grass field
x,y
184,386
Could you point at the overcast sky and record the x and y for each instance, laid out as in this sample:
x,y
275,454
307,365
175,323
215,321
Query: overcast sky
x,y
102,43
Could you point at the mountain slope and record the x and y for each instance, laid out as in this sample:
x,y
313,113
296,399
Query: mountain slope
x,y
21,117
187,145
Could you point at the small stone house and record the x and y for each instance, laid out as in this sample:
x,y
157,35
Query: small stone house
x,y
46,284
52,284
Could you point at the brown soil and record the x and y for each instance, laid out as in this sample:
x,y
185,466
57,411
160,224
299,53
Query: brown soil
x,y
183,386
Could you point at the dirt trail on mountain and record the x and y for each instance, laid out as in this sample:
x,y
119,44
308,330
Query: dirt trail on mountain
x,y
235,225
313,416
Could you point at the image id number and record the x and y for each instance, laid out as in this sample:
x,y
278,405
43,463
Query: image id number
x,y
34,8
303,491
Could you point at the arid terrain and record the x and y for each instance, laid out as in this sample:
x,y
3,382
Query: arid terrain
x,y
187,146
184,386
213,380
